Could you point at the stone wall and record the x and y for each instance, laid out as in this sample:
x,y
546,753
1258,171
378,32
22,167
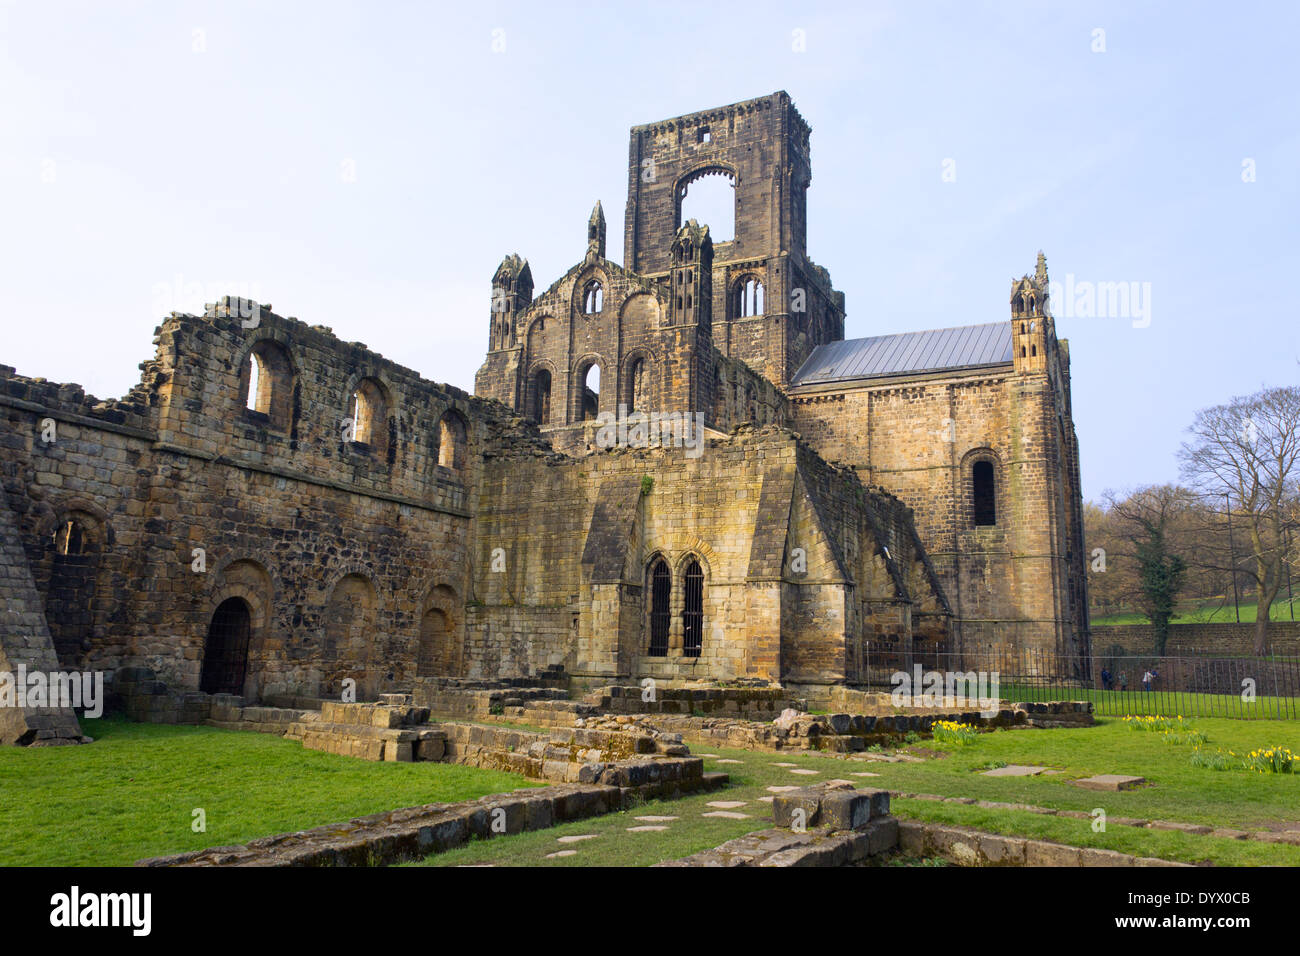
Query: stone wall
x,y
1228,639
348,557
1017,583
25,641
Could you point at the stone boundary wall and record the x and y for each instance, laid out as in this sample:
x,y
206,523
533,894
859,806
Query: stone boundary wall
x,y
967,847
411,833
750,702
1202,639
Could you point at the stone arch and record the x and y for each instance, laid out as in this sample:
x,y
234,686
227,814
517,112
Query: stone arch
x,y
351,614
453,441
641,312
659,616
639,389
590,280
747,297
246,578
441,641
585,404
266,382
982,488
79,534
374,430
225,648
681,189
539,392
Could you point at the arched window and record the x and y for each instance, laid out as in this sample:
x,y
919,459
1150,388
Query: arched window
x,y
589,399
225,654
710,199
593,297
369,413
70,538
267,383
452,441
749,298
541,410
984,493
70,600
661,589
638,386
693,610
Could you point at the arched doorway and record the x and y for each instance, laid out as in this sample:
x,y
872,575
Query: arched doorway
x,y
225,654
437,646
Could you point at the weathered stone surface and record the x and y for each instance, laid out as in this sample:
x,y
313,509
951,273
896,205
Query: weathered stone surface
x,y
1109,781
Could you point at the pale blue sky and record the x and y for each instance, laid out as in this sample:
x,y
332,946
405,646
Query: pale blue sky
x,y
156,155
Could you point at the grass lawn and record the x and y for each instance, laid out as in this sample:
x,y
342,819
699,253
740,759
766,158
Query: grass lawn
x,y
131,793
1205,612
1135,701
1177,791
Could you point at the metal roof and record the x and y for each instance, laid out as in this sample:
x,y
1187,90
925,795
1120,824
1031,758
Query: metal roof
x,y
907,352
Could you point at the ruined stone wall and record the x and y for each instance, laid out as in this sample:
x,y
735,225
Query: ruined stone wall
x,y
737,510
349,557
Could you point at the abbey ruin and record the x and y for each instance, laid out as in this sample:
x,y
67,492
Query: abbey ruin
x,y
273,512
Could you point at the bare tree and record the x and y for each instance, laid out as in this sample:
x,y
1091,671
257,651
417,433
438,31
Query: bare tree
x,y
1247,451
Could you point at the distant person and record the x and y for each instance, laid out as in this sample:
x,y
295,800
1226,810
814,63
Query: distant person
x,y
1105,679
1123,681
1147,678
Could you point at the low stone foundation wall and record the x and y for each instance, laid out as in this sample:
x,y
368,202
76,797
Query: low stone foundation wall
x,y
830,824
967,847
635,762
754,703
476,699
411,833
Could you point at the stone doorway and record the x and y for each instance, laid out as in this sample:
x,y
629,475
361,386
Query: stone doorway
x,y
225,654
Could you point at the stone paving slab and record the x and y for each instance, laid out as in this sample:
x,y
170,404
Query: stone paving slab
x,y
1109,781
1014,770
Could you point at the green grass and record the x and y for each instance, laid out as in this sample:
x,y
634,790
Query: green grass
x,y
1205,611
131,793
1177,791
1169,703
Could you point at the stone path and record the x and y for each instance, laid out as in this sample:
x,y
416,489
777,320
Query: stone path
x,y
561,853
726,804
726,815
1263,836
806,772
647,828
656,819
577,838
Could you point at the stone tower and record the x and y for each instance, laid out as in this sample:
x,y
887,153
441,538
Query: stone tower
x,y
771,304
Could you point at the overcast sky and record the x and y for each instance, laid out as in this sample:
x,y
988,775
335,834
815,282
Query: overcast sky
x,y
366,166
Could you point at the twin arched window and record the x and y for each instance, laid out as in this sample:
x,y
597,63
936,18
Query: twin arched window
x,y
692,609
749,298
593,297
